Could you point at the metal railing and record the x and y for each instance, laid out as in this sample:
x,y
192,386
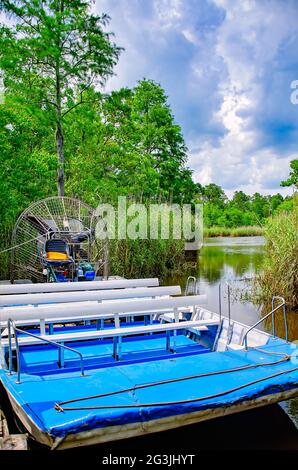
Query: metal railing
x,y
220,300
11,326
271,313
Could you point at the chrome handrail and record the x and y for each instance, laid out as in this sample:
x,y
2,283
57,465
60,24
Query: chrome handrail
x,y
11,323
272,312
220,300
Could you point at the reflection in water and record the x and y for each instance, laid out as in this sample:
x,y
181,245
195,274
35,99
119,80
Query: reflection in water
x,y
235,260
225,260
232,260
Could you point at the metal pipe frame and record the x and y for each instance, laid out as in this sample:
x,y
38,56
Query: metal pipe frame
x,y
271,313
11,324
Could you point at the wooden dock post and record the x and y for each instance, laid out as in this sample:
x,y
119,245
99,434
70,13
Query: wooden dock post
x,y
11,441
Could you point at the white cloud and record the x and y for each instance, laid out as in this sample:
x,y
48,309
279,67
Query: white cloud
x,y
247,41
221,92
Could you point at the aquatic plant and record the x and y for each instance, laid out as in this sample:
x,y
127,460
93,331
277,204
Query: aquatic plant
x,y
280,269
244,231
141,258
279,273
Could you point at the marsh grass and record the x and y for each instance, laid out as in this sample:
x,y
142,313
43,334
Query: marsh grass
x,y
249,231
5,243
279,273
142,258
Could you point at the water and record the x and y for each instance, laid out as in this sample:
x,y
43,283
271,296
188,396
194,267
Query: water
x,y
232,261
227,261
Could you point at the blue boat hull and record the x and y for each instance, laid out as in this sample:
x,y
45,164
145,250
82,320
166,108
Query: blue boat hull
x,y
35,397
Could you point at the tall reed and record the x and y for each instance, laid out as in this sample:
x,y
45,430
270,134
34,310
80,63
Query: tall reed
x,y
245,231
279,274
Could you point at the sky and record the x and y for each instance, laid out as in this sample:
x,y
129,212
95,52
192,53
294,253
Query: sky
x,y
227,68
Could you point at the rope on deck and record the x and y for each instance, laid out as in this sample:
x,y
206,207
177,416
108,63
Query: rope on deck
x,y
285,357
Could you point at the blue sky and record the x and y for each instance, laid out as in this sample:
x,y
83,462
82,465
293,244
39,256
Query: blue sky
x,y
227,67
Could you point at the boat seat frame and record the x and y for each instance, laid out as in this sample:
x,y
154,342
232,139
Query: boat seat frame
x,y
116,333
80,311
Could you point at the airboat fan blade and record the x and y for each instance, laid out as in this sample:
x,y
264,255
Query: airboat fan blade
x,y
63,218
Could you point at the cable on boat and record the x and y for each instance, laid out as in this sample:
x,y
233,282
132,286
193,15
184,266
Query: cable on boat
x,y
59,406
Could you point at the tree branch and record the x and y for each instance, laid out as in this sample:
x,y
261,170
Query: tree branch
x,y
75,105
50,102
16,11
81,100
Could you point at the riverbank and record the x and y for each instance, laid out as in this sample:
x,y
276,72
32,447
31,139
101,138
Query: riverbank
x,y
245,231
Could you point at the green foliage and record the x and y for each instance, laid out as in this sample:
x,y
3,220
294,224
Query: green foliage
x,y
212,194
143,258
53,53
28,167
286,206
241,211
279,275
249,231
52,58
293,178
105,141
127,143
240,201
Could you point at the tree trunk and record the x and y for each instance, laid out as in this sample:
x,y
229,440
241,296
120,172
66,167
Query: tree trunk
x,y
60,154
59,133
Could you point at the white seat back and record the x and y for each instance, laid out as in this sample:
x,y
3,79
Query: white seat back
x,y
133,307
89,295
76,286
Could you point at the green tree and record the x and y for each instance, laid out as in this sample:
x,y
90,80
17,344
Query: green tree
x,y
275,201
287,205
127,142
213,215
293,177
28,164
261,206
240,200
160,140
214,194
60,47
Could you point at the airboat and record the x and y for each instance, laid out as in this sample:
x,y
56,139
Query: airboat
x,y
54,241
86,360
90,362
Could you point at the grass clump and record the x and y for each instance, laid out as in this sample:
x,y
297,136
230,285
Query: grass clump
x,y
146,258
279,275
244,231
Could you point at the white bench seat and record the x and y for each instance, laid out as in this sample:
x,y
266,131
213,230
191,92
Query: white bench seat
x,y
88,295
76,286
156,313
99,311
116,334
199,325
51,313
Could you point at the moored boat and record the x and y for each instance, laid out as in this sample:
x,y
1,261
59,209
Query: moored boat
x,y
124,358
